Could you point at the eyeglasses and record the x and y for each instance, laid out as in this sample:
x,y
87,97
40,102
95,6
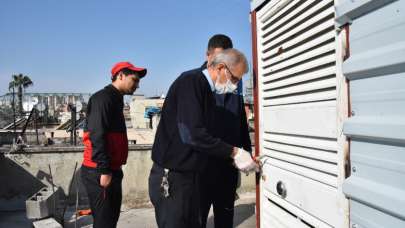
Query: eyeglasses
x,y
234,79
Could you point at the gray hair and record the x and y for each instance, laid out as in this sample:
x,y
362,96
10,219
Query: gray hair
x,y
231,57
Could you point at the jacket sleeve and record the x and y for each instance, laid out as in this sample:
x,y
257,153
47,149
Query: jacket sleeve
x,y
191,123
97,124
245,137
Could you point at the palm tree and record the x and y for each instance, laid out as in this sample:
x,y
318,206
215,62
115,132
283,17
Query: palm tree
x,y
20,82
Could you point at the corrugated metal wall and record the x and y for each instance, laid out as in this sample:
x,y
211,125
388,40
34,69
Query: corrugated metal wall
x,y
376,70
298,123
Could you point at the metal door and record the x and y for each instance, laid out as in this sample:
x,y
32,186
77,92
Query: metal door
x,y
300,108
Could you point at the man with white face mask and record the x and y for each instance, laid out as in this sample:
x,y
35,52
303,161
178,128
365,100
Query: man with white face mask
x,y
219,179
227,87
185,139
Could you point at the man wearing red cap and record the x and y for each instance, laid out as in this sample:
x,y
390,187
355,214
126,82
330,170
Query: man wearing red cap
x,y
106,144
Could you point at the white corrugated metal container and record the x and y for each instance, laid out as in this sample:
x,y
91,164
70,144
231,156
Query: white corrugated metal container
x,y
376,72
303,63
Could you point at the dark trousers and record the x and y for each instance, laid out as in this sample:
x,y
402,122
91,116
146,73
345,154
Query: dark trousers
x,y
181,208
105,203
218,188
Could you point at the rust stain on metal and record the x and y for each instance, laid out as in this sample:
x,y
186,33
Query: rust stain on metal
x,y
280,50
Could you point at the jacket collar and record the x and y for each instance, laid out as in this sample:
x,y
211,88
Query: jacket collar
x,y
114,90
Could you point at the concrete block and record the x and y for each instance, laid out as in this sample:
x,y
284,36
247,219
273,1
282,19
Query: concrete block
x,y
42,204
47,223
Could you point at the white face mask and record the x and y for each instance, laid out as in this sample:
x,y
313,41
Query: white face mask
x,y
228,87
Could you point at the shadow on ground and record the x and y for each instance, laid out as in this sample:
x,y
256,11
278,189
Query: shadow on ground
x,y
243,212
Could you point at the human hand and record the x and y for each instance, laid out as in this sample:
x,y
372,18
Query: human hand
x,y
105,180
244,162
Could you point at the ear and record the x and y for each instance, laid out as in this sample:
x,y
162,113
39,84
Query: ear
x,y
220,66
120,75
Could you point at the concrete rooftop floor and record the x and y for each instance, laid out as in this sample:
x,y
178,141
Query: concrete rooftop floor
x,y
142,218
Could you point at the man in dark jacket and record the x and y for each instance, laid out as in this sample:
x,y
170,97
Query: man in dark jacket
x,y
185,139
106,144
219,179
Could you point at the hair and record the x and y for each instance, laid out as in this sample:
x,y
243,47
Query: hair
x,y
230,57
219,41
125,71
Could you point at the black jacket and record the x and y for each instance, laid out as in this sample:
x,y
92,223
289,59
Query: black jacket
x,y
230,126
105,134
230,118
185,135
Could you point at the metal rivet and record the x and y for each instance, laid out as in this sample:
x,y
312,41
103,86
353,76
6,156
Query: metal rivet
x,y
352,113
354,169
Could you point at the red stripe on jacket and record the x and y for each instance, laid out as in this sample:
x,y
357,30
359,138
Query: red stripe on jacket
x,y
116,145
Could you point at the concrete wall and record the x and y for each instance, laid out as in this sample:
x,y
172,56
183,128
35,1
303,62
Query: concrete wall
x,y
6,137
30,137
24,173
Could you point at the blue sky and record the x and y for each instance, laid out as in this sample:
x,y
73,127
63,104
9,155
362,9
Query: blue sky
x,y
70,46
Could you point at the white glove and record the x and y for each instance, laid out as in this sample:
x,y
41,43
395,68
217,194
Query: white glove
x,y
244,162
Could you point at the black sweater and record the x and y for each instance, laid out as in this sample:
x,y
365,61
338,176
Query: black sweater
x,y
231,123
105,134
185,135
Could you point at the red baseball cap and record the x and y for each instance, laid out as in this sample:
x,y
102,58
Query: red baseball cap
x,y
127,65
